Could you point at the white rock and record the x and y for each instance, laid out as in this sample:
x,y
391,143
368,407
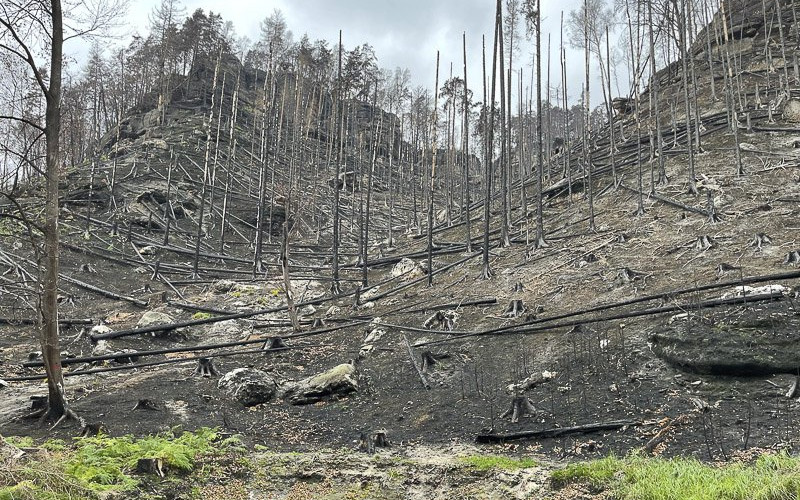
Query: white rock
x,y
151,318
100,330
408,269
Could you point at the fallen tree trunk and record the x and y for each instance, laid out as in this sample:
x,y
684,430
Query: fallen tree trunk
x,y
557,432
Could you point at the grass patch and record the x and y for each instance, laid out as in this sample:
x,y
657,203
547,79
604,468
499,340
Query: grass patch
x,y
488,462
771,477
94,465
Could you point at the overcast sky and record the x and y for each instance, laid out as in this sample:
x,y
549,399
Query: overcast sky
x,y
404,33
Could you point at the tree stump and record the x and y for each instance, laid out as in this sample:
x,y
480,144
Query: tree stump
x,y
723,269
368,441
441,320
520,406
627,275
792,257
205,368
274,344
145,404
515,308
151,466
430,359
93,430
705,242
760,240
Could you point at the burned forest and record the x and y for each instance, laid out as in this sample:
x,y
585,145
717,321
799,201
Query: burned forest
x,y
366,279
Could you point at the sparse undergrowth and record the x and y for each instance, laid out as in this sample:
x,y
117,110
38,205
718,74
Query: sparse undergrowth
x,y
95,465
770,477
488,462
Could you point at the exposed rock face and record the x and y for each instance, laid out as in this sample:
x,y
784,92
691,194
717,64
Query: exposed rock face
x,y
340,379
738,348
248,386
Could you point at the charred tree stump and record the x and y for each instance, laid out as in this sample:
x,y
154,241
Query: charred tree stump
x,y
151,466
205,368
792,257
274,344
93,430
723,269
515,308
38,403
145,404
705,242
519,287
429,360
627,275
441,320
368,441
520,406
760,240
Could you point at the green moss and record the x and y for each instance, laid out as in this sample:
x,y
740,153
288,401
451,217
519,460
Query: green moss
x,y
771,477
201,315
19,441
487,462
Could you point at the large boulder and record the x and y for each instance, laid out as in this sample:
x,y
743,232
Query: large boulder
x,y
248,386
339,380
408,269
791,111
151,318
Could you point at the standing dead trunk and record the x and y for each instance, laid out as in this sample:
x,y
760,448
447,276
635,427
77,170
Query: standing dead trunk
x,y
433,175
465,149
540,241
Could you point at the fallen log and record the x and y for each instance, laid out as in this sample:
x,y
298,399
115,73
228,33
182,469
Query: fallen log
x,y
524,329
63,321
105,293
557,432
